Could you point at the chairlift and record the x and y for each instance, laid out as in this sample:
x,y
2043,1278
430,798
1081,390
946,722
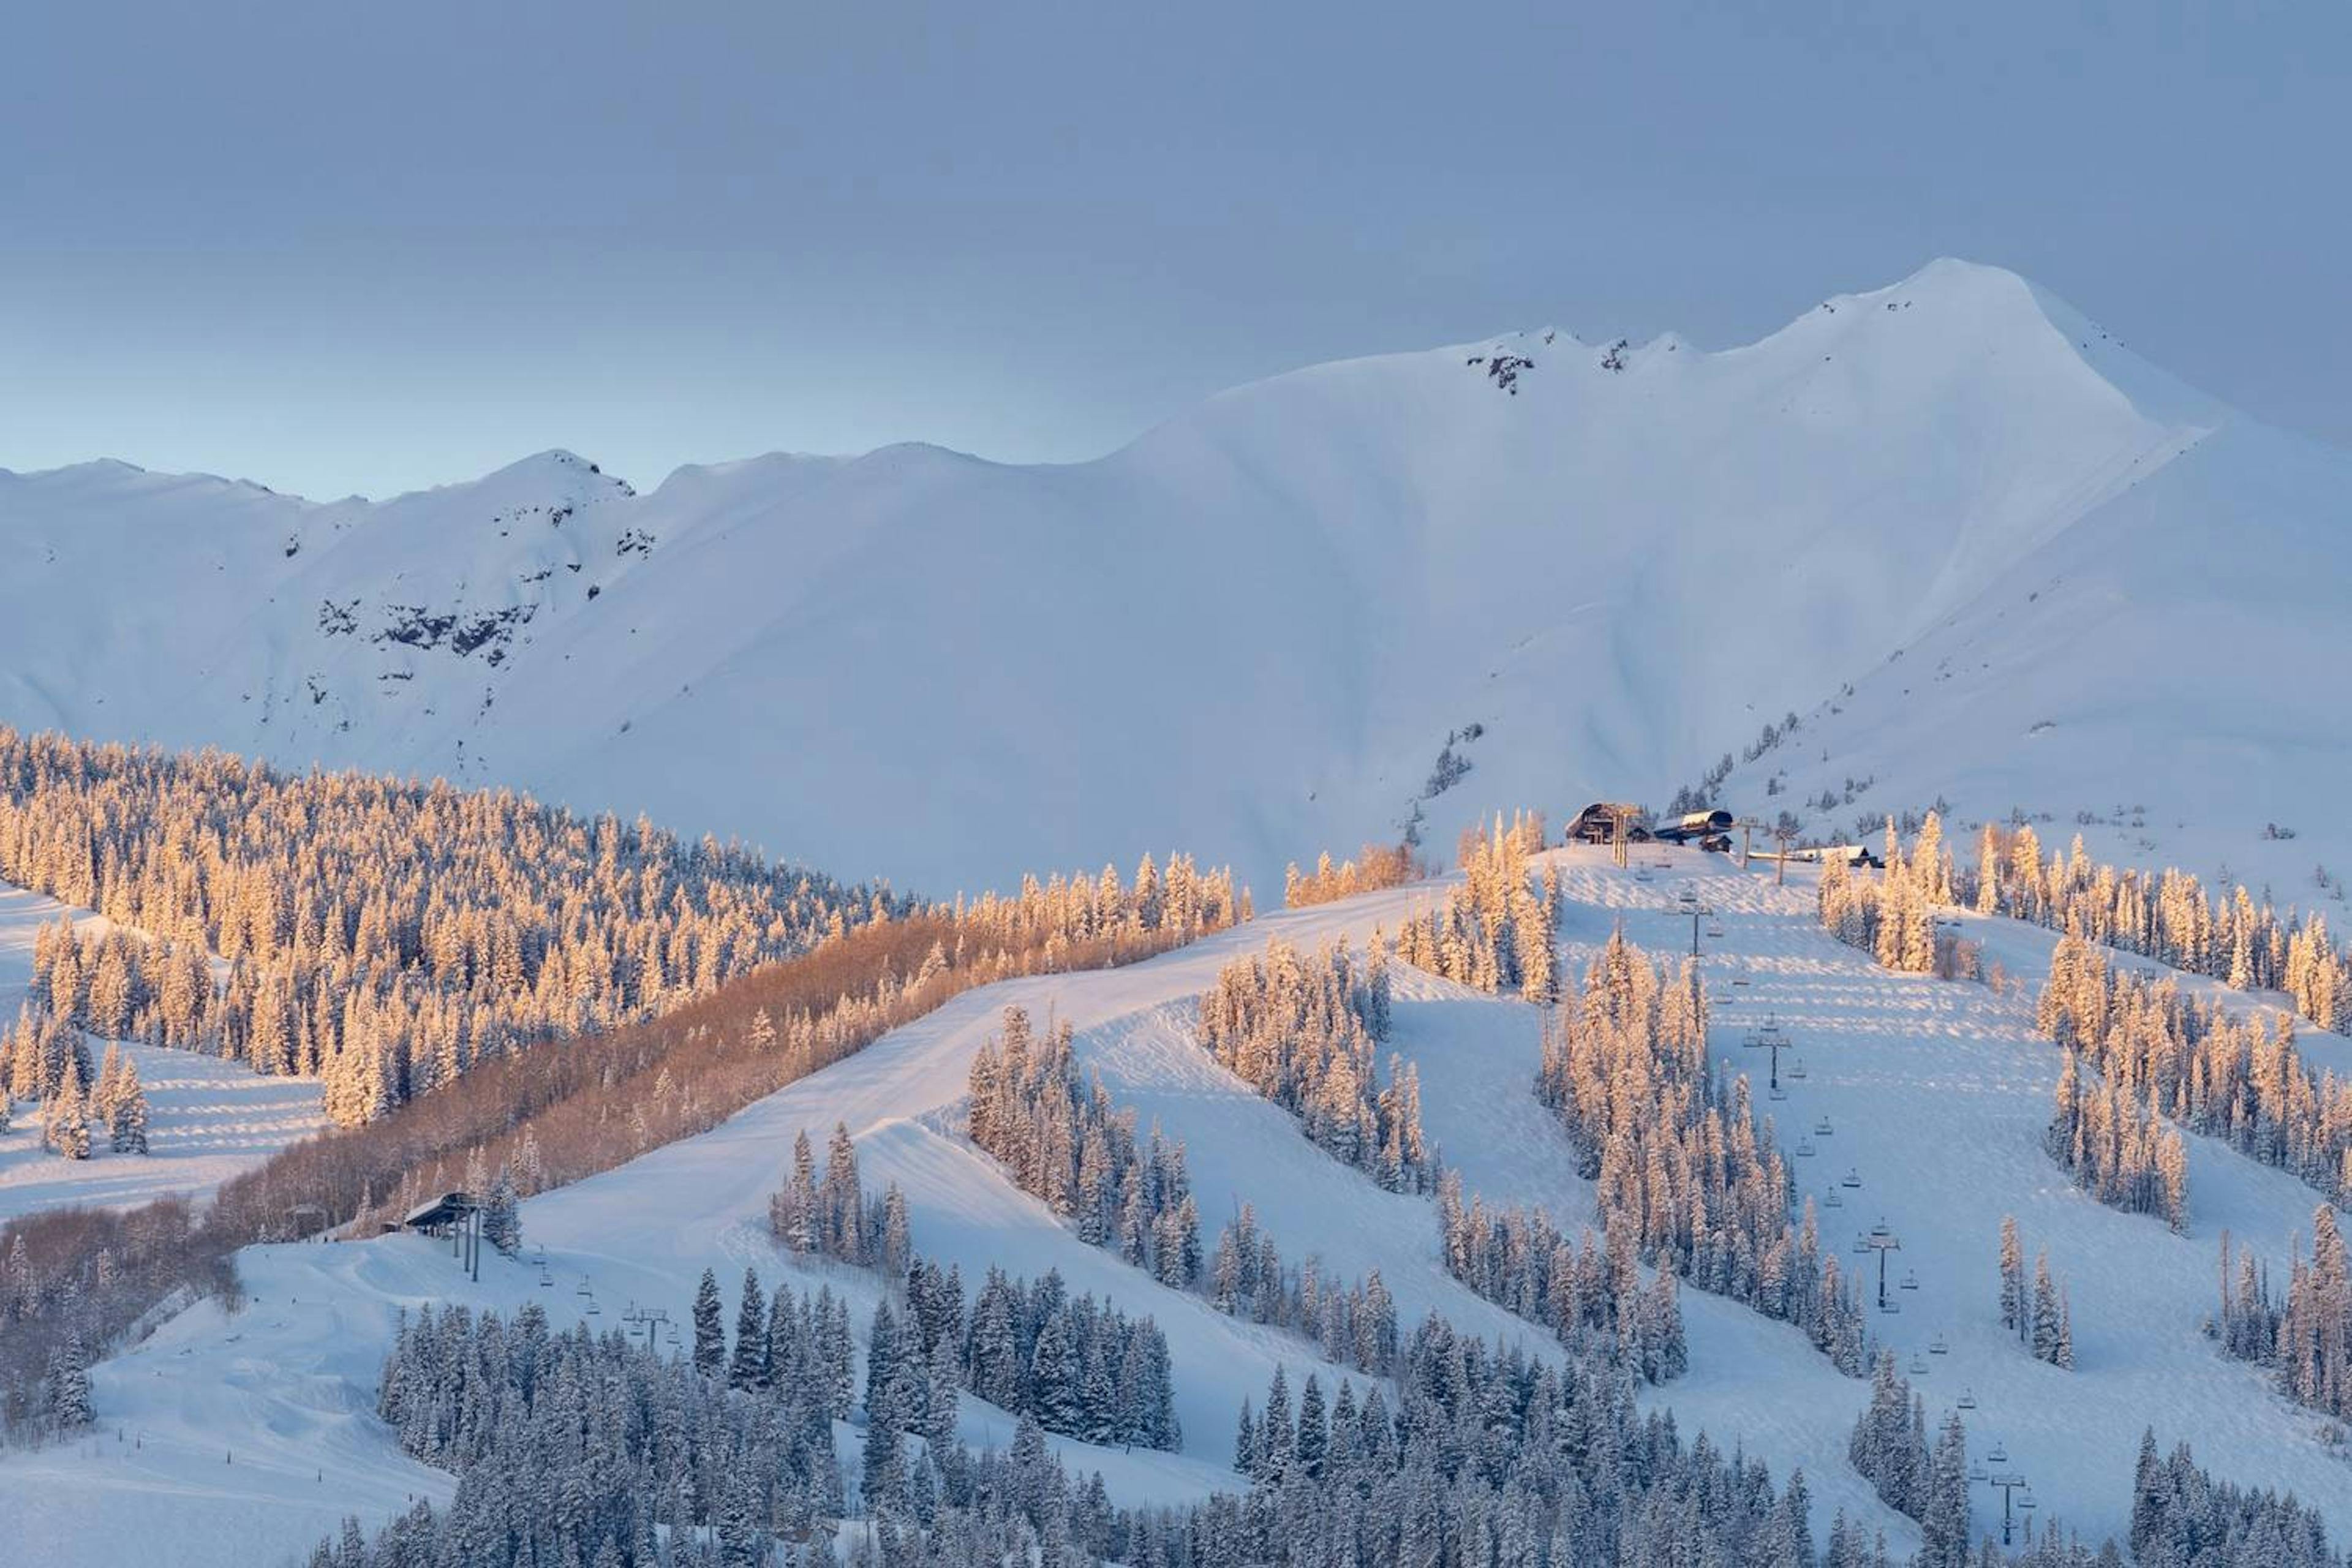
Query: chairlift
x,y
1852,1178
1918,1364
1804,1149
1797,1069
1822,1129
1910,1279
595,1310
1832,1201
1999,1454
1968,1399
1714,929
2026,1501
581,1289
1939,1346
1977,1473
546,1280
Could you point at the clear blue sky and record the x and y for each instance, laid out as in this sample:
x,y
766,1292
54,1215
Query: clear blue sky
x,y
341,248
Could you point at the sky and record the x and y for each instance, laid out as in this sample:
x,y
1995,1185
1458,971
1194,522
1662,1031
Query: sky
x,y
339,248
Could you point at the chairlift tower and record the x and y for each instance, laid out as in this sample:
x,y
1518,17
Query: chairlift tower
x,y
1691,904
2009,1483
648,1321
1882,1240
1769,1036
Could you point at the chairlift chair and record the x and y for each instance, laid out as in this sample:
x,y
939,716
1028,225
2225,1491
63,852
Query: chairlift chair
x,y
546,1280
1740,980
1939,1346
1822,1129
1797,1069
1977,1473
595,1310
581,1289
1715,930
1999,1454
1910,1279
1852,1178
1804,1149
2025,1502
1776,1092
1918,1364
1832,1201
1861,1243
1968,1399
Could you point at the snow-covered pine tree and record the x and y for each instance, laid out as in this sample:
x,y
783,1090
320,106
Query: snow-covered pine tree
x,y
748,1367
709,1327
502,1214
69,1394
126,1118
1944,1519
2015,1316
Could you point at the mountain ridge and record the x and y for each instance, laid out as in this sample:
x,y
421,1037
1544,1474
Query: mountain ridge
x,y
1255,629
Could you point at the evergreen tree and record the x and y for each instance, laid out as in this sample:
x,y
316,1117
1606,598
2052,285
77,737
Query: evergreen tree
x,y
503,1215
1944,1521
70,1401
747,1369
2014,1315
2045,1310
709,1327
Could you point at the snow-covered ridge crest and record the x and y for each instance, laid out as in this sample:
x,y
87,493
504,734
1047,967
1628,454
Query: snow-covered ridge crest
x,y
1253,630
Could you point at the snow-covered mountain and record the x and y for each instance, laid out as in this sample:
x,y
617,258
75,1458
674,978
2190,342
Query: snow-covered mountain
x,y
1253,632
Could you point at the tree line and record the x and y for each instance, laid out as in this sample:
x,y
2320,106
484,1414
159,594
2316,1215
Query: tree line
x,y
2305,1336
2240,1081
1062,1141
2041,1317
1495,929
1354,1324
46,1060
556,1111
1082,1370
1304,1032
2242,940
1375,866
1683,1169
1889,1446
380,933
1590,1294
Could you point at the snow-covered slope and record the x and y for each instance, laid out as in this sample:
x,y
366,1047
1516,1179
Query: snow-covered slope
x,y
1251,632
1937,1093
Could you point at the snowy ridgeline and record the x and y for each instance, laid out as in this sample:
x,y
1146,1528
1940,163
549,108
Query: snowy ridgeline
x,y
544,626
1924,1102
